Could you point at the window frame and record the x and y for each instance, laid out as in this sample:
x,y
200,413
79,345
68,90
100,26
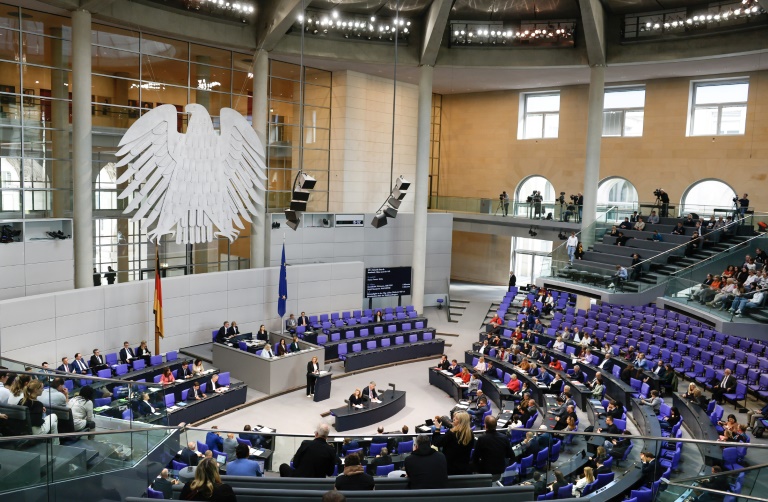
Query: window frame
x,y
692,107
523,115
624,110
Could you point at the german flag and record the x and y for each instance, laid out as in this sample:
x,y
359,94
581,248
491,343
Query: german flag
x,y
157,308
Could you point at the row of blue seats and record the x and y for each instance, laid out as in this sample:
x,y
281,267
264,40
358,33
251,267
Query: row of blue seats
x,y
343,347
378,330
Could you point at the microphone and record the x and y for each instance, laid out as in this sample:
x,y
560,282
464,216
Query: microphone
x,y
393,390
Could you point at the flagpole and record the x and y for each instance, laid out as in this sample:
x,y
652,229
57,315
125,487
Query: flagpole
x,y
282,324
157,271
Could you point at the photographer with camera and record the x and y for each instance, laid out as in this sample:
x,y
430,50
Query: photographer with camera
x,y
580,204
663,198
504,201
743,205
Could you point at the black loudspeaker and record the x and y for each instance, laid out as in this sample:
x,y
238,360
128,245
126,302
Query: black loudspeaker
x,y
379,220
293,224
390,212
297,205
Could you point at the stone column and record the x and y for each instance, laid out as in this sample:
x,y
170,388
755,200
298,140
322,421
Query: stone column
x,y
82,149
259,233
421,188
60,174
594,142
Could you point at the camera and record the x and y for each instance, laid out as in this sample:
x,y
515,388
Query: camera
x,y
735,199
575,198
657,192
561,199
501,197
534,197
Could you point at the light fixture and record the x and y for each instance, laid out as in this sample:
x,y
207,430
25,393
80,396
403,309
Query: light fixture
x,y
293,224
302,183
347,26
390,207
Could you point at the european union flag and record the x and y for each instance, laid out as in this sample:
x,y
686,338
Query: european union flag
x,y
282,288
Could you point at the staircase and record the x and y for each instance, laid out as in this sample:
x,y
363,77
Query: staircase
x,y
456,309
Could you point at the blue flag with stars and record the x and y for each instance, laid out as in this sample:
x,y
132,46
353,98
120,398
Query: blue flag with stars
x,y
283,287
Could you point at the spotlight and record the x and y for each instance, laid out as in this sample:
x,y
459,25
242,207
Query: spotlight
x,y
292,215
298,205
293,224
395,203
391,212
401,186
379,220
300,195
306,182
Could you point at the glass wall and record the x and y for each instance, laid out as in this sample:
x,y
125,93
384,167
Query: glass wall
x,y
288,148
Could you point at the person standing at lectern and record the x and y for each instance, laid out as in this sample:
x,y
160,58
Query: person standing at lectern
x,y
370,393
313,369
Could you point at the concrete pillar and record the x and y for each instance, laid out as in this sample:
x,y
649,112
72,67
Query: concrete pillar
x,y
259,233
82,148
421,188
594,142
61,170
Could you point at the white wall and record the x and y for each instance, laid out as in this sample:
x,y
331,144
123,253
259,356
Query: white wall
x,y
361,140
50,326
388,246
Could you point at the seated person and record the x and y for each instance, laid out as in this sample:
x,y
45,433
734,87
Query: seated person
x,y
354,477
477,413
639,225
262,333
97,362
214,384
267,352
256,440
185,371
197,368
282,348
294,346
371,393
196,393
145,407
233,329
356,399
126,354
223,335
625,225
167,377
481,366
242,466
82,409
144,352
383,458
454,367
465,375
291,323
679,229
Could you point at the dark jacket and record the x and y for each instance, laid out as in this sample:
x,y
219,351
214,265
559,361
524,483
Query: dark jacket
x,y
426,468
221,493
189,457
354,478
378,461
314,459
491,453
214,441
651,472
164,486
457,455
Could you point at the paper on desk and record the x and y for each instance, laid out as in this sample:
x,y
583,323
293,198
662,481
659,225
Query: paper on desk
x,y
446,372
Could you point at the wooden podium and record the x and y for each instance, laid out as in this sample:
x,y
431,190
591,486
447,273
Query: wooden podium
x,y
322,387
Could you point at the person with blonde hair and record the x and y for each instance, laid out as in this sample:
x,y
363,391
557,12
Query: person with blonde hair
x,y
578,486
207,484
42,423
457,442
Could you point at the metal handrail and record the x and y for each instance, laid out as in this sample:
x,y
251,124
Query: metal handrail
x,y
719,255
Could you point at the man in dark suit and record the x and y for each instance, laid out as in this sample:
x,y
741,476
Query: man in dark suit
x,y
718,481
610,427
650,468
724,386
370,393
213,439
600,467
492,450
222,336
555,385
477,413
455,368
65,366
443,364
233,330
315,458
579,375
78,365
97,362
190,455
304,320
383,458
126,354
164,484
562,421
530,446
185,371
485,348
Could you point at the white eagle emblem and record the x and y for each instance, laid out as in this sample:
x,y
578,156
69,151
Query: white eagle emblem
x,y
197,185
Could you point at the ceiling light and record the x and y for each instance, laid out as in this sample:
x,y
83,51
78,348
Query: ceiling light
x,y
334,14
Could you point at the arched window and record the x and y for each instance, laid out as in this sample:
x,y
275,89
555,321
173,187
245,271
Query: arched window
x,y
106,188
616,191
526,189
706,195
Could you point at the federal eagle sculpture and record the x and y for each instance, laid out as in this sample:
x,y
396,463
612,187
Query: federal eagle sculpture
x,y
197,185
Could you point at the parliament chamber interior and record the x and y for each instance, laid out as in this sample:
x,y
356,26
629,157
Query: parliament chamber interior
x,y
327,250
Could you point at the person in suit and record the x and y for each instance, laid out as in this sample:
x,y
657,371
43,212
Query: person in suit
x,y
110,275
248,434
282,348
456,369
383,458
79,366
213,439
291,323
222,336
650,468
378,316
313,369
370,393
477,413
185,371
562,421
97,362
620,445
304,320
230,444
126,354
294,346
485,348
262,333
233,329
356,399
144,406
492,450
718,481
601,468
164,484
559,482
579,375
267,352
197,394
242,466
315,458
144,352
724,386
65,366
214,384
189,455
539,484
443,364
654,401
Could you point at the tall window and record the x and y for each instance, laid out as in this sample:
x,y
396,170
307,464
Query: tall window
x,y
718,107
706,195
623,111
540,115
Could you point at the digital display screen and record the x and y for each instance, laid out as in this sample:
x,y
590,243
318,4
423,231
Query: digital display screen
x,y
394,281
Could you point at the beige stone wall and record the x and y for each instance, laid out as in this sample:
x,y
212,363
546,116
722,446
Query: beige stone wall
x,y
480,152
361,140
480,258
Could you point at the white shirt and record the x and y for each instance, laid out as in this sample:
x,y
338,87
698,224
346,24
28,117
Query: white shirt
x,y
5,394
267,353
572,241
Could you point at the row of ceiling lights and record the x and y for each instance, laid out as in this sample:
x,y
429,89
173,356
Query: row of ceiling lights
x,y
233,6
750,8
369,27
